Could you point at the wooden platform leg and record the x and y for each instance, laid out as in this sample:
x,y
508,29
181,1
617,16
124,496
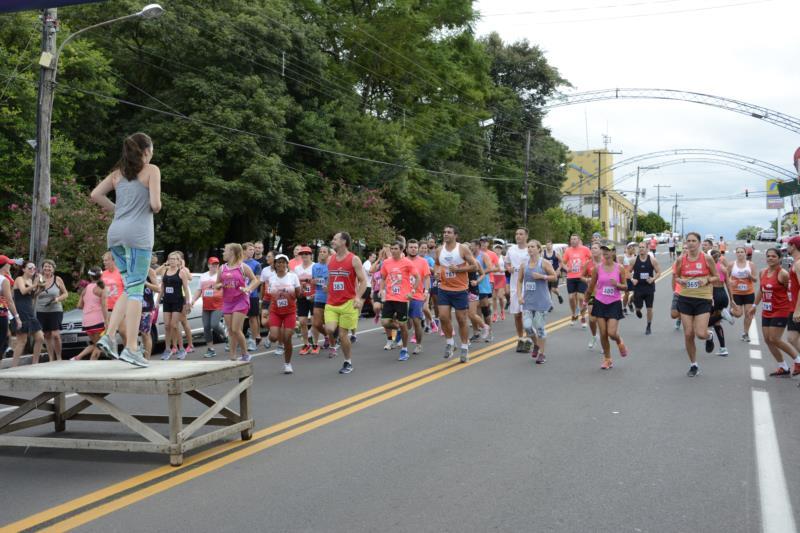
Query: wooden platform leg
x,y
175,427
244,410
60,403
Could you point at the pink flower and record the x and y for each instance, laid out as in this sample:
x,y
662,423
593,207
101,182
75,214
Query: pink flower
x,y
66,232
53,200
14,207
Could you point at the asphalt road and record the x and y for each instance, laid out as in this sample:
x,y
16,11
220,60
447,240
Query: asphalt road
x,y
499,444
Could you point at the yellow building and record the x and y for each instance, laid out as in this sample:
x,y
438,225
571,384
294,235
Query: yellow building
x,y
580,193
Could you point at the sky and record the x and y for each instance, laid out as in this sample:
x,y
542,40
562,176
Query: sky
x,y
748,50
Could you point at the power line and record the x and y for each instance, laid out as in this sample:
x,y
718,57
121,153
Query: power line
x,y
589,8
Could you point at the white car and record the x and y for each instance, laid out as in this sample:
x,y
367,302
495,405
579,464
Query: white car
x,y
767,235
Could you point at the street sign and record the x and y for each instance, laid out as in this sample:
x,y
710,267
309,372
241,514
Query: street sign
x,y
788,188
7,6
774,198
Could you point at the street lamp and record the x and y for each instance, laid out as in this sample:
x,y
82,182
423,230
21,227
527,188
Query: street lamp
x,y
40,217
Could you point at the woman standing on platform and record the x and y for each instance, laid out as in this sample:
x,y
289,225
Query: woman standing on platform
x,y
137,187
25,288
49,311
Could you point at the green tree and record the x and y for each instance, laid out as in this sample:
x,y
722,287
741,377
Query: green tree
x,y
652,223
748,232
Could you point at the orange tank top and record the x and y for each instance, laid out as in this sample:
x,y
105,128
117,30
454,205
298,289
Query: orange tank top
x,y
452,281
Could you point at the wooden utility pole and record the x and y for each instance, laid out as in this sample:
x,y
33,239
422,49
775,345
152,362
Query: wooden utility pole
x,y
525,191
658,197
40,210
601,153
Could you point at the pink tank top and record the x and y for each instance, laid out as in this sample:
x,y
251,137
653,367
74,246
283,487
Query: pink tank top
x,y
721,272
232,282
606,290
92,308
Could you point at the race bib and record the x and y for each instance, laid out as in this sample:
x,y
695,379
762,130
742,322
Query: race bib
x,y
208,293
307,289
113,290
530,285
448,274
609,291
395,290
693,284
644,275
741,287
170,290
576,266
338,285
282,302
767,306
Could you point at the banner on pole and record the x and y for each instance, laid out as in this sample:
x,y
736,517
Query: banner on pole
x,y
774,199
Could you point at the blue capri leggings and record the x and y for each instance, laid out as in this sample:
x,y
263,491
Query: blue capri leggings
x,y
133,265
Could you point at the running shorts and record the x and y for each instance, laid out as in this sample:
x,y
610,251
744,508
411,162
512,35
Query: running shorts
x,y
576,285
484,296
287,321
345,315
50,321
499,281
254,309
458,300
96,328
134,265
693,306
643,299
792,325
415,309
305,308
376,297
720,299
774,322
744,299
552,284
533,323
612,311
173,307
395,311
319,305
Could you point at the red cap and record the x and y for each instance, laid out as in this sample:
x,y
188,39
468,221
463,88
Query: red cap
x,y
795,241
213,260
304,250
4,260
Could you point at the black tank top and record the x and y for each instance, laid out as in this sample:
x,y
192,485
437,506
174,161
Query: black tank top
x,y
473,276
173,288
642,271
552,258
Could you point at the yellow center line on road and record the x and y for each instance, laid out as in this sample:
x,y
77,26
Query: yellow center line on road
x,y
317,418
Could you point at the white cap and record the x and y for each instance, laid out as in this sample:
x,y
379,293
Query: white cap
x,y
282,256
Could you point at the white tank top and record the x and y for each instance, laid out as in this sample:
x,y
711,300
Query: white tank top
x,y
741,273
628,259
452,257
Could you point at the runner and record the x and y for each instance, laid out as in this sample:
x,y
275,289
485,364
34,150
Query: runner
x,y
589,297
516,258
26,287
741,278
258,254
534,297
212,306
723,246
421,292
549,254
678,248
266,272
479,328
748,249
320,278
430,324
794,320
499,285
653,245
399,279
137,188
92,301
371,259
608,279
671,243
695,271
346,282
254,312
49,311
115,287
628,258
644,273
377,300
305,301
232,279
776,311
284,290
151,288
8,311
455,262
296,259
575,258
487,261
174,285
721,301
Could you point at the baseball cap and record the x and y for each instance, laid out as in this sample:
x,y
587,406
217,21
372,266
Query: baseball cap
x,y
795,241
5,260
304,250
213,260
608,245
281,256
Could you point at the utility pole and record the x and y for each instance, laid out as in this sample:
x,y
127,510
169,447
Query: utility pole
x,y
525,191
600,153
682,231
40,215
658,197
636,201
674,220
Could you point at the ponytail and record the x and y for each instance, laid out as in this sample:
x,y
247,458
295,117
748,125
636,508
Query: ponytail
x,y
133,148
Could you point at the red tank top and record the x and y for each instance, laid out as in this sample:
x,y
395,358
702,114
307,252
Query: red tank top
x,y
774,296
694,269
794,288
341,280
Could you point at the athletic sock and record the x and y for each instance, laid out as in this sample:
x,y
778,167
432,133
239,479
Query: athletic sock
x,y
720,335
451,341
783,365
465,346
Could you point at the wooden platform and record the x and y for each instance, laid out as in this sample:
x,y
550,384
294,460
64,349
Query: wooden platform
x,y
94,381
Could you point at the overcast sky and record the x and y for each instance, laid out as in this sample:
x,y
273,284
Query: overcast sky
x,y
747,50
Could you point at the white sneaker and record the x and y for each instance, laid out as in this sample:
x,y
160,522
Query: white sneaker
x,y
593,342
726,314
279,351
251,345
389,345
722,351
287,368
417,349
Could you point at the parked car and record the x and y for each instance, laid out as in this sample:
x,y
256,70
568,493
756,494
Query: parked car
x,y
768,234
789,235
664,237
73,339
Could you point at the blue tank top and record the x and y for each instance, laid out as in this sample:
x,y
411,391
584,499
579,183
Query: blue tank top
x,y
485,285
537,293
319,275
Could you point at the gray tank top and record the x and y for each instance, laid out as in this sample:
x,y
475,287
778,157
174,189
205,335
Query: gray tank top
x,y
537,293
45,300
133,217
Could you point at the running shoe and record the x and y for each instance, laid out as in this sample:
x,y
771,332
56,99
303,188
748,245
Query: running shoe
x,y
630,306
279,351
305,349
490,337
108,347
485,333
251,345
693,371
722,351
464,357
347,367
315,349
607,364
267,344
181,354
528,344
745,337
353,338
648,331
520,346
227,346
623,350
287,368
413,339
388,346
135,358
245,358
449,350
535,350
710,342
638,313
573,321
494,317
624,311
417,349
331,352
166,355
210,353
503,314
780,373
474,337
593,342
540,359
678,324
190,348
403,354
560,300
726,314
796,369
583,322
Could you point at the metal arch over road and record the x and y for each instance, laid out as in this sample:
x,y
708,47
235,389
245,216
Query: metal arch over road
x,y
777,118
702,160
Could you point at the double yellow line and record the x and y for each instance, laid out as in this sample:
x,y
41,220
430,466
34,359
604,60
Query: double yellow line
x,y
84,509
